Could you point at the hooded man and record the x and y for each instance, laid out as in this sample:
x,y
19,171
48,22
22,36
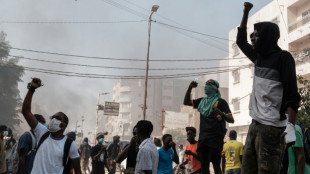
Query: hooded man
x,y
85,150
54,148
214,112
274,100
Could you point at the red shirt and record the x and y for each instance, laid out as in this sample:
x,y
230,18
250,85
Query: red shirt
x,y
195,163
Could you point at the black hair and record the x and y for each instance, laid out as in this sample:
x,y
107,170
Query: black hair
x,y
191,129
233,134
40,118
64,116
166,136
3,128
145,127
71,135
157,142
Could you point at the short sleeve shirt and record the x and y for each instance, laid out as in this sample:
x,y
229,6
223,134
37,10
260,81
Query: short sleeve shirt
x,y
195,162
98,165
49,157
147,158
212,131
165,161
232,151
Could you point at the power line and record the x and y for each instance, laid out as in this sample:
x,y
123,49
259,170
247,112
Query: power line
x,y
121,59
70,22
126,68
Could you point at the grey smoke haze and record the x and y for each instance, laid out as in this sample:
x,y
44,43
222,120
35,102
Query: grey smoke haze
x,y
78,96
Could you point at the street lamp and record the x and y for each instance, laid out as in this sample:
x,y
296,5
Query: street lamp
x,y
154,9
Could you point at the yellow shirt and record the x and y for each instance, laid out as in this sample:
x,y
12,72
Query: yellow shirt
x,y
232,151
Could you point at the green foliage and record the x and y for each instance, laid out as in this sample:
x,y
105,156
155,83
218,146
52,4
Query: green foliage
x,y
303,115
178,136
10,75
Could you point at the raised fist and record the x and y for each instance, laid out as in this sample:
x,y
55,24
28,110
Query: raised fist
x,y
193,84
247,6
35,83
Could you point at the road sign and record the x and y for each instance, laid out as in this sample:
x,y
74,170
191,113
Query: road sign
x,y
111,108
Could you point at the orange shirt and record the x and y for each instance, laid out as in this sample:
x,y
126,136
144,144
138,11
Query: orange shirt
x,y
195,163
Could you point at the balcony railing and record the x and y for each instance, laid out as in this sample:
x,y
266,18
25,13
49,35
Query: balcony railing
x,y
300,55
303,21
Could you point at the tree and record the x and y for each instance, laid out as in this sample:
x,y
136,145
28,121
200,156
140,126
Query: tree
x,y
10,75
303,115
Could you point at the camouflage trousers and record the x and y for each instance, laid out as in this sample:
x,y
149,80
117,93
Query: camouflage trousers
x,y
264,149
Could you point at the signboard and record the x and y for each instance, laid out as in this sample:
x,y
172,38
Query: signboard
x,y
111,108
175,120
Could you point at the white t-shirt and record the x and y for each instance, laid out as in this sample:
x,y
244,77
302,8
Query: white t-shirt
x,y
147,158
49,157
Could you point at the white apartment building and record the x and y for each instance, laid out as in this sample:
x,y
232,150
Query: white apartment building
x,y
293,19
164,94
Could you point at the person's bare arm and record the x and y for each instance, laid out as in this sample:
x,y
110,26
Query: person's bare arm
x,y
176,156
299,151
188,152
123,155
247,7
76,166
96,157
187,99
26,109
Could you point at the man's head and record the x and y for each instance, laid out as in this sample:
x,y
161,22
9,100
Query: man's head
x,y
85,140
116,139
58,123
40,118
180,147
265,38
3,131
71,135
134,130
100,137
191,134
232,135
211,87
144,129
157,142
167,139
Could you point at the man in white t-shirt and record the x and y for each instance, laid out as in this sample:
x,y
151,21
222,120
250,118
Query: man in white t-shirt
x,y
50,153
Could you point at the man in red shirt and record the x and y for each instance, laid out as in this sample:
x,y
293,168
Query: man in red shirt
x,y
191,157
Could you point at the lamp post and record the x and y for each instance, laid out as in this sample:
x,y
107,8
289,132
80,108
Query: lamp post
x,y
154,9
99,107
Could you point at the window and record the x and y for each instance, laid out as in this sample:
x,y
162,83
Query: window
x,y
236,76
306,17
236,104
125,95
235,49
126,116
126,105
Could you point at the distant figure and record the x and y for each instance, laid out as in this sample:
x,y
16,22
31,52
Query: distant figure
x,y
26,148
147,159
232,154
113,150
3,132
71,135
130,152
54,148
167,155
85,150
274,99
157,143
99,156
9,143
214,113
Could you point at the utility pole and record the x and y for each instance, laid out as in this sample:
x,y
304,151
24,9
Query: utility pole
x,y
154,9
83,119
99,107
162,121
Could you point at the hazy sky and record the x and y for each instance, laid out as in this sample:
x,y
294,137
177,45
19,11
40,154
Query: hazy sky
x,y
77,96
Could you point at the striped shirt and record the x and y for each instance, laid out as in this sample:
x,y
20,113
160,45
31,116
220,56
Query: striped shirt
x,y
147,158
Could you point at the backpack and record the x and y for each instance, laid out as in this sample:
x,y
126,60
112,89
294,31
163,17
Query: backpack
x,y
66,163
13,161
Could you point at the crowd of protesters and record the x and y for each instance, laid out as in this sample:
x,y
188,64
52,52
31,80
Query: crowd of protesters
x,y
274,144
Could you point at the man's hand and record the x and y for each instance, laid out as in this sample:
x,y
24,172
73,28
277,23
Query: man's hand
x,y
247,7
219,117
133,141
193,84
35,83
188,152
172,144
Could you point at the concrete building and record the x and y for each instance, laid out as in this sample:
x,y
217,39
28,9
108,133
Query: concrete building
x,y
164,94
293,19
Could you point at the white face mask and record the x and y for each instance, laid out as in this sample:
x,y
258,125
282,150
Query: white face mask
x,y
54,125
5,133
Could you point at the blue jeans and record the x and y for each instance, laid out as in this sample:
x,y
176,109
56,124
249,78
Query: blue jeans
x,y
233,171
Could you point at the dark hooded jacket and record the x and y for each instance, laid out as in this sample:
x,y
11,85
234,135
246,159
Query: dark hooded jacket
x,y
274,84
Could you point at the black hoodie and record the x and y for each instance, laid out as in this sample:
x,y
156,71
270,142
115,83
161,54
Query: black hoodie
x,y
274,85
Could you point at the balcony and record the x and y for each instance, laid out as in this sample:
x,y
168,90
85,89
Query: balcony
x,y
125,89
300,23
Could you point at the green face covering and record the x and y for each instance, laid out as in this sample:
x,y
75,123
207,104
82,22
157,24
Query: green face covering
x,y
213,94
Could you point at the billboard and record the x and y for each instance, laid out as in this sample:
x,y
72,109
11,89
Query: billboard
x,y
174,120
111,108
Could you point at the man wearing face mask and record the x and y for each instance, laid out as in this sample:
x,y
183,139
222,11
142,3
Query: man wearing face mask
x,y
54,148
3,132
214,112
99,156
274,100
85,150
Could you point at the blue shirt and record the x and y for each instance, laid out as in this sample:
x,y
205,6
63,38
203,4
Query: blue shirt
x,y
165,161
25,142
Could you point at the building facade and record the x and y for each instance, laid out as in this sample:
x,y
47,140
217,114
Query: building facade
x,y
293,19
